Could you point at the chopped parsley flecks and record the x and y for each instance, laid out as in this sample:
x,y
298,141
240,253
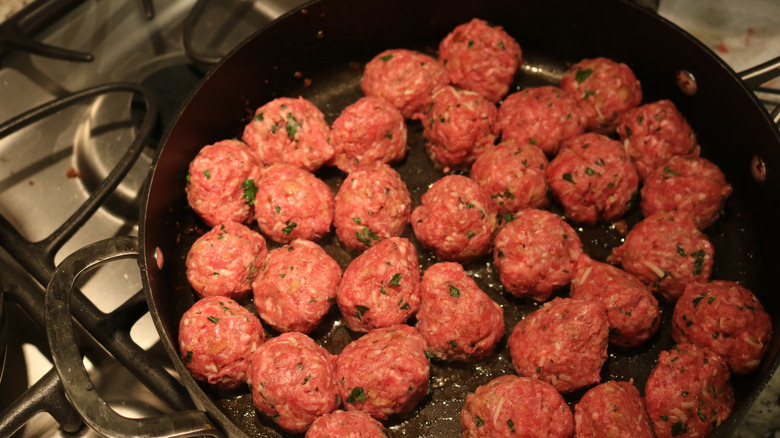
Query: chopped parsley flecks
x,y
581,75
360,311
250,191
290,226
454,291
358,395
395,280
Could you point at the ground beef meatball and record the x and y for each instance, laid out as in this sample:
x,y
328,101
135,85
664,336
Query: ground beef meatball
x,y
225,260
347,424
593,179
221,183
216,339
688,393
653,133
632,310
293,204
456,219
385,372
403,77
457,319
481,57
544,116
295,289
292,131
604,88
693,186
513,175
381,286
612,409
372,204
536,253
368,131
563,343
666,252
457,125
512,406
726,318
293,381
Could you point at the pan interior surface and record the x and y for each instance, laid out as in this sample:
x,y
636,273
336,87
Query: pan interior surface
x,y
318,52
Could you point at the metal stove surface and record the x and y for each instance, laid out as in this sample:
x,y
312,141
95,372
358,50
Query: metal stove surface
x,y
49,168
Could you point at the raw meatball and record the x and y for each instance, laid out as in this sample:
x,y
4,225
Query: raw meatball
x,y
513,175
292,131
512,406
563,343
481,57
653,133
593,179
689,185
457,125
372,204
457,319
726,318
612,409
293,203
216,339
368,131
405,78
632,310
221,183
536,253
347,424
666,252
604,88
225,260
381,286
296,287
456,219
544,116
385,372
688,393
293,381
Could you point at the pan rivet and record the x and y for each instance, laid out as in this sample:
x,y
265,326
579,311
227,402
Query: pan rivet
x,y
320,34
158,256
686,82
758,169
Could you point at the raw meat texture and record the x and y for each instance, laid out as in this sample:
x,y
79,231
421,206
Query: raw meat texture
x,y
612,409
293,204
653,133
295,289
372,204
293,381
688,392
369,131
225,260
221,183
726,318
513,175
666,252
593,179
457,319
403,77
516,407
536,253
563,343
632,310
481,58
689,185
604,88
543,116
381,286
347,424
216,339
292,131
385,372
456,219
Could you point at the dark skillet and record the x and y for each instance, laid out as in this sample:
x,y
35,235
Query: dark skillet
x,y
328,43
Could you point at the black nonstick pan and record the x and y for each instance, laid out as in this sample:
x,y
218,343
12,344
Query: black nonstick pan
x,y
318,52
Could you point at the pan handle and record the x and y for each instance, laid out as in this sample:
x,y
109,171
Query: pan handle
x,y
68,361
757,76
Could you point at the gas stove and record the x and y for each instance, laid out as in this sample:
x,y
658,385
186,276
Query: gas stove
x,y
136,61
